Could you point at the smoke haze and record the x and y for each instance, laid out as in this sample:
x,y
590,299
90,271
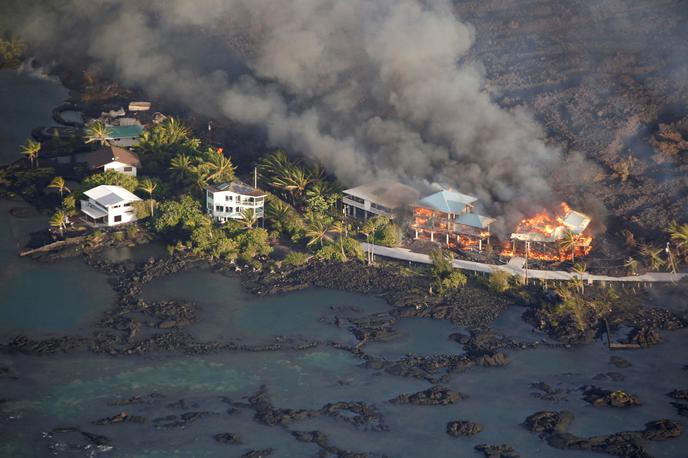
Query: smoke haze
x,y
369,89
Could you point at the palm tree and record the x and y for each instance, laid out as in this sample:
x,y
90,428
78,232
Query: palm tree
x,y
59,184
181,167
219,168
632,265
248,218
569,242
274,164
294,180
175,131
30,149
679,235
654,256
341,228
580,270
148,186
59,221
97,131
316,231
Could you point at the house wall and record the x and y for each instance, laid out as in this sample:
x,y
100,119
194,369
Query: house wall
x,y
357,207
120,167
124,142
232,205
124,212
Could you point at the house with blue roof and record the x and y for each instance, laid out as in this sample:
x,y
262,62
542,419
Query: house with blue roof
x,y
449,215
125,136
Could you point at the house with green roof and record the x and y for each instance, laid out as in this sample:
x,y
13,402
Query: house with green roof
x,y
125,136
449,215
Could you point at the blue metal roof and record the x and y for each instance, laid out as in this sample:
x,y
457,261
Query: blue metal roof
x,y
474,220
447,201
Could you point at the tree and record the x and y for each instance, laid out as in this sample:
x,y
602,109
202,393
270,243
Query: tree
x,y
445,277
97,131
148,186
580,270
632,265
248,218
59,221
110,177
321,197
181,167
679,235
30,150
59,184
569,242
654,257
69,204
218,169
499,281
341,228
293,180
316,231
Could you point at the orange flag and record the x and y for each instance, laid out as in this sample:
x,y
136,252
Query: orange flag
x,y
219,151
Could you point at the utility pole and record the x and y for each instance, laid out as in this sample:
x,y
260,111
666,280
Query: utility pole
x,y
255,177
210,132
526,265
672,263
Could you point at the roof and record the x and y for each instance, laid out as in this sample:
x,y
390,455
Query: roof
x,y
108,154
131,131
108,195
237,187
389,193
447,201
139,106
474,220
93,212
576,222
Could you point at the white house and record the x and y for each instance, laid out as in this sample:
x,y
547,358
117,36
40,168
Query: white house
x,y
382,197
109,205
114,158
229,200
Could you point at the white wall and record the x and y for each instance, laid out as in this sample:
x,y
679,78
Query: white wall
x,y
120,167
127,214
235,202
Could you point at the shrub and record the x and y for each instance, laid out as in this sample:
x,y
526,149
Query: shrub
x,y
118,236
295,258
329,252
455,280
389,235
132,231
499,281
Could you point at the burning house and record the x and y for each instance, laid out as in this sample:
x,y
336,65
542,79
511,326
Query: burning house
x,y
383,197
551,237
450,214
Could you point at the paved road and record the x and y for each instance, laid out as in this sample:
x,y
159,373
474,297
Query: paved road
x,y
515,267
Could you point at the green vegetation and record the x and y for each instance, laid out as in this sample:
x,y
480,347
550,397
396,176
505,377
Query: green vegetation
x,y
295,258
148,186
184,222
97,132
59,221
11,52
109,177
30,150
445,277
499,281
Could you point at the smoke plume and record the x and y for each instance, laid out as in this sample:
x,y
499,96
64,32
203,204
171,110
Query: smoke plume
x,y
370,89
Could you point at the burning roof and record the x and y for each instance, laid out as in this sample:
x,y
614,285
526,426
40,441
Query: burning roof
x,y
545,227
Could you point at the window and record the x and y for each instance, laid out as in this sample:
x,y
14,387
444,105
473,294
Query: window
x,y
127,205
127,169
118,218
228,198
219,208
230,209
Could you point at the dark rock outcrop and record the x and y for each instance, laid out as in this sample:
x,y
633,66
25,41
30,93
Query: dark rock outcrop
x,y
437,395
463,428
600,397
497,451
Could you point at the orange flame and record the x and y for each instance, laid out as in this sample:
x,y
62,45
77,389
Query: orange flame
x,y
547,224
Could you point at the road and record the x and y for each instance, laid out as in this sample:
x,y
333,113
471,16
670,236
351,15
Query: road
x,y
515,267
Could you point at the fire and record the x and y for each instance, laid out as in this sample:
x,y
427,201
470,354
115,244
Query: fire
x,y
547,236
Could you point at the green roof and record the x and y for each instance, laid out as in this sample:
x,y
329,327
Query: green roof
x,y
447,201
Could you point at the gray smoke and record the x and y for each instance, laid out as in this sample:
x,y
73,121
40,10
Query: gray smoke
x,y
369,88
